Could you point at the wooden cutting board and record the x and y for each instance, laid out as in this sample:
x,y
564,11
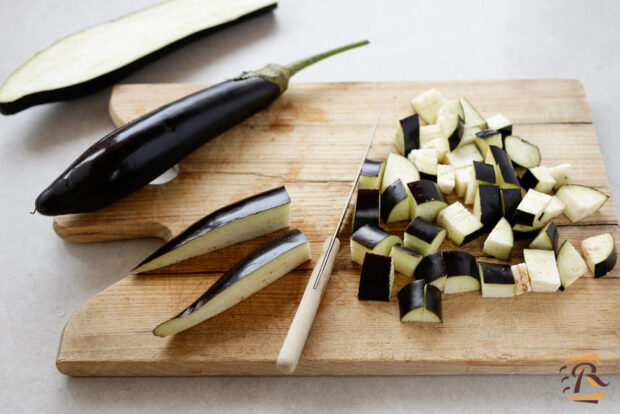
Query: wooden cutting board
x,y
311,140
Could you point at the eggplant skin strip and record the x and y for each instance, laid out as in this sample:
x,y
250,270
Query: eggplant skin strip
x,y
100,82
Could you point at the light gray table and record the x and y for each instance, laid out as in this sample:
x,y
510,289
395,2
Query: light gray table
x,y
45,279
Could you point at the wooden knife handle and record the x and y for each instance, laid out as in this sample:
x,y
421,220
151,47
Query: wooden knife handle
x,y
304,317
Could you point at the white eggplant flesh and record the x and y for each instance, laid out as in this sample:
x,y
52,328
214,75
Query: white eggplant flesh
x,y
543,270
462,178
472,116
501,124
521,152
260,268
487,137
405,260
371,239
398,167
425,161
561,174
467,134
423,237
442,146
571,265
600,253
546,239
531,208
396,203
496,280
446,178
429,133
427,199
427,104
461,226
581,201
539,179
463,156
500,241
522,279
371,175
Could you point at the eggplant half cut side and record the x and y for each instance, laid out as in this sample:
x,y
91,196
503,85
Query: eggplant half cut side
x,y
371,239
260,268
600,253
546,239
395,203
497,280
244,220
366,208
428,200
405,260
432,269
411,301
371,175
423,237
461,272
461,226
89,60
407,135
377,278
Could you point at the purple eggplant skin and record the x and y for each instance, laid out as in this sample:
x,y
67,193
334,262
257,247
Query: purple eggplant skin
x,y
484,172
511,197
369,236
391,197
552,232
100,82
604,267
490,205
496,273
411,297
431,267
506,169
243,208
371,168
256,259
423,230
432,302
411,132
425,190
460,263
135,154
366,208
375,278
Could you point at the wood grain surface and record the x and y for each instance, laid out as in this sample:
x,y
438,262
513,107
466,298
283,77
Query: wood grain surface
x,y
311,140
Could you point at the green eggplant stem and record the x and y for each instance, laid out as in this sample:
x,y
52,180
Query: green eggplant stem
x,y
298,65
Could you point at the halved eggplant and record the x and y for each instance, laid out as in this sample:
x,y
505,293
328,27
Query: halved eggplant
x,y
463,156
461,226
397,167
407,136
522,153
371,175
571,265
461,272
462,178
581,201
425,160
427,104
531,207
522,279
539,179
472,117
561,174
446,178
600,253
405,260
500,241
261,267
89,60
377,278
504,171
411,302
243,220
372,239
511,197
543,270
486,138
366,209
546,239
496,280
428,200
501,124
488,205
423,237
432,269
432,304
396,202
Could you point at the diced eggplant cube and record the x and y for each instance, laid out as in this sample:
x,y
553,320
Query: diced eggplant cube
x,y
543,270
522,279
460,224
488,205
511,197
398,167
395,203
496,280
427,104
405,260
501,124
561,174
446,178
377,278
521,152
531,207
500,241
581,201
428,200
373,239
546,239
553,209
432,304
467,134
472,117
425,160
407,136
571,265
463,156
600,253
539,179
448,122
366,208
461,272
423,237
411,302
429,133
484,173
462,178
432,269
442,146
504,171
486,138
371,175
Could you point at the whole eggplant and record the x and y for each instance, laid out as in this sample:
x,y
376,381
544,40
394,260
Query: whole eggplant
x,y
133,155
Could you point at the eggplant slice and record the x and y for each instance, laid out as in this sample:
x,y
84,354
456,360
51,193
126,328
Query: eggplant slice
x,y
246,219
87,61
258,269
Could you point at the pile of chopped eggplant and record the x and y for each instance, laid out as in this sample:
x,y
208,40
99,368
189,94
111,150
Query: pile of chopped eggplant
x,y
446,148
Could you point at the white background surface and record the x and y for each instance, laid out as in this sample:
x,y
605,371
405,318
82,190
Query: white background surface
x,y
45,279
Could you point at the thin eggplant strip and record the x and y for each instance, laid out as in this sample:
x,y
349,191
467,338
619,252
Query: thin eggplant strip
x,y
133,155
